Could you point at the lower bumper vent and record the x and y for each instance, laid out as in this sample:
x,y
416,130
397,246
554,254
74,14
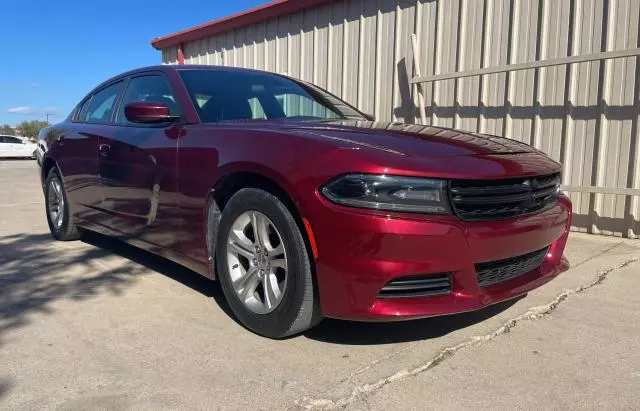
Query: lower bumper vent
x,y
417,286
499,271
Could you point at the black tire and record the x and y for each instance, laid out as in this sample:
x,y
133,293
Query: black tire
x,y
67,230
299,308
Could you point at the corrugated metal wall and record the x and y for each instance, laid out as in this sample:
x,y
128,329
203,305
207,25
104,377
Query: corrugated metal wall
x,y
585,116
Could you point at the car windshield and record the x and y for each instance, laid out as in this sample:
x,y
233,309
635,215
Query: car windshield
x,y
237,95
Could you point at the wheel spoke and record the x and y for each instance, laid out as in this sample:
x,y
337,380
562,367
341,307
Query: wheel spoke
x,y
240,250
279,262
276,252
241,246
242,282
270,298
260,233
250,281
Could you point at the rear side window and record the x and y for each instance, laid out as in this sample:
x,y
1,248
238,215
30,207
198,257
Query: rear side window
x,y
82,111
103,103
148,89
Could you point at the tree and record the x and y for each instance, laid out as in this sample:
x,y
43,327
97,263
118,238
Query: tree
x,y
31,128
7,130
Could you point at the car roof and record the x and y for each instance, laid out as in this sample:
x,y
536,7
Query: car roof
x,y
175,67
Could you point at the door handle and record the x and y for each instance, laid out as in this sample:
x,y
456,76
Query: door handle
x,y
104,149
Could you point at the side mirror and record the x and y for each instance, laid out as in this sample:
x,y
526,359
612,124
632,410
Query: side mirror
x,y
148,113
369,117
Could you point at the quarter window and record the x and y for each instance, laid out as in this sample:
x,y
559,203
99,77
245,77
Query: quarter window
x,y
148,89
103,103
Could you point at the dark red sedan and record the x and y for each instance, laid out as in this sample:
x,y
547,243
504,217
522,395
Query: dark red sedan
x,y
301,205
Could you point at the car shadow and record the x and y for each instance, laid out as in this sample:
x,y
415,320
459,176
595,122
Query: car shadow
x,y
329,330
376,333
168,268
35,274
31,279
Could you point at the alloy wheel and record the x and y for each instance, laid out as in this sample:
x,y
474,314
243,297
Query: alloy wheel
x,y
257,262
55,203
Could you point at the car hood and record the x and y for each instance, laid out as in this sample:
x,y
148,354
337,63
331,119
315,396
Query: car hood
x,y
408,139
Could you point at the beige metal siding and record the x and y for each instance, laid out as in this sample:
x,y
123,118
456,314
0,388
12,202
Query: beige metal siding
x,y
584,115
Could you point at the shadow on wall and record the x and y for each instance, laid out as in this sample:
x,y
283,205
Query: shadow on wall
x,y
586,222
529,112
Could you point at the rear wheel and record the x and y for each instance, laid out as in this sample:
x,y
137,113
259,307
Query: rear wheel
x,y
263,266
59,217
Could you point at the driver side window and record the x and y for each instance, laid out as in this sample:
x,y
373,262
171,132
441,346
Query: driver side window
x,y
148,89
102,104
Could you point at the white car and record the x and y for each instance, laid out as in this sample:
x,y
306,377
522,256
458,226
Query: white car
x,y
15,147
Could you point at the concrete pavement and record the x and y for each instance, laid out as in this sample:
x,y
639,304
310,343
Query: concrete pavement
x,y
101,325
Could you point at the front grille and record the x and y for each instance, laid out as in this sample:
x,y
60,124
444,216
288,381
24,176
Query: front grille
x,y
417,286
499,271
481,200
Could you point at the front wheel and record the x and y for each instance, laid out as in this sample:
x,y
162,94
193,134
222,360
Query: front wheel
x,y
59,217
263,266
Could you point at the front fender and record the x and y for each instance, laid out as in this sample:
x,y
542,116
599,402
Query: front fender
x,y
272,174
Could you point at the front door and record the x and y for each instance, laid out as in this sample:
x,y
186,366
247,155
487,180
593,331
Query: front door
x,y
138,167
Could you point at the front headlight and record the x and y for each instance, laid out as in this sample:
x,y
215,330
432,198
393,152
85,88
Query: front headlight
x,y
391,193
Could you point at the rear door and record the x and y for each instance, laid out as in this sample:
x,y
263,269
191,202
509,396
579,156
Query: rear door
x,y
138,166
78,144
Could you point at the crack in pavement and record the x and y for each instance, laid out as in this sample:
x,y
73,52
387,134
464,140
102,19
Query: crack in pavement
x,y
409,346
534,313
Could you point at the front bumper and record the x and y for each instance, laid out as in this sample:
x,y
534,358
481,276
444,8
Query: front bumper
x,y
359,252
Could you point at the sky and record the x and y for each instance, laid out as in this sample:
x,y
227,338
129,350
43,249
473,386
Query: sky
x,y
52,53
